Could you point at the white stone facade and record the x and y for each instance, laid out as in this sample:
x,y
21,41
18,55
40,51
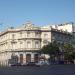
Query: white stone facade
x,y
28,39
68,27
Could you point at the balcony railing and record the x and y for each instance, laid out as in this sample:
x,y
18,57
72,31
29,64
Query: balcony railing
x,y
30,37
20,49
23,49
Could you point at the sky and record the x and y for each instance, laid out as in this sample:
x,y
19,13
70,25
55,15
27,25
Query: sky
x,y
39,12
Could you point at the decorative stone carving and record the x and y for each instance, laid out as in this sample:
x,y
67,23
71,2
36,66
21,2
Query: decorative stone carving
x,y
30,26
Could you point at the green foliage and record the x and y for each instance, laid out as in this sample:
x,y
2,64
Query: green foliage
x,y
67,56
68,47
73,55
53,50
69,51
50,49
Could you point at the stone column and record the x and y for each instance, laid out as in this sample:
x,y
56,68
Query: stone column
x,y
5,62
18,57
24,58
32,57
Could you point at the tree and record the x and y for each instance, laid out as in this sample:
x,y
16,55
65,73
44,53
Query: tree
x,y
73,55
68,47
68,52
52,49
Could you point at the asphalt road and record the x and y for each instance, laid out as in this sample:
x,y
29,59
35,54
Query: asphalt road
x,y
43,70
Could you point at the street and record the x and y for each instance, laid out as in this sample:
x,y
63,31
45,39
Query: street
x,y
43,70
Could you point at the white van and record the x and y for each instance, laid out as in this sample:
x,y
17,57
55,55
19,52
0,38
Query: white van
x,y
43,62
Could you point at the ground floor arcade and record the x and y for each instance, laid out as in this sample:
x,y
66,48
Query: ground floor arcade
x,y
7,58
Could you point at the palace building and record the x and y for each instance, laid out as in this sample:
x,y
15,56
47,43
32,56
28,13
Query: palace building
x,y
25,42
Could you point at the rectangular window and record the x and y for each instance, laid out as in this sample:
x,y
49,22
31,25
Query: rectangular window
x,y
37,34
36,44
45,35
13,36
28,44
28,33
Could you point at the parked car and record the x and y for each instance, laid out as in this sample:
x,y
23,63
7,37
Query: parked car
x,y
16,64
41,63
31,64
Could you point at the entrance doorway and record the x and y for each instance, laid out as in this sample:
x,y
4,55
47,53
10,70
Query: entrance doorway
x,y
21,58
36,58
28,58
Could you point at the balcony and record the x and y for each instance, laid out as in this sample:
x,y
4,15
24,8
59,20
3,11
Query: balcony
x,y
30,37
26,49
20,50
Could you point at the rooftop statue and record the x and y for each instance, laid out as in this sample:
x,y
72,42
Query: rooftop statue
x,y
30,26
